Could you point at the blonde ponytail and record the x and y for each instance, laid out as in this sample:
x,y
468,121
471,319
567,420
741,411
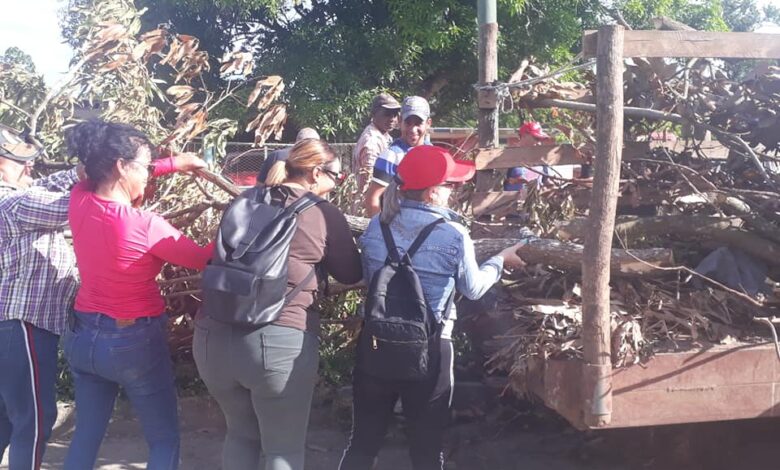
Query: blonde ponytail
x,y
391,205
277,174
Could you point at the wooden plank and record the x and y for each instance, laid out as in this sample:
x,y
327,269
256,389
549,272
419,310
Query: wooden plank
x,y
508,157
652,43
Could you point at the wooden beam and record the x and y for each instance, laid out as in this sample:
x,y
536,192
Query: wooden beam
x,y
644,43
487,103
488,74
508,157
597,252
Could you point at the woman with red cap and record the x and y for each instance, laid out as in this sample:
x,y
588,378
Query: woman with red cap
x,y
445,261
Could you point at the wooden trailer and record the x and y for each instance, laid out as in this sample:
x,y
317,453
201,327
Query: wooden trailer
x,y
738,381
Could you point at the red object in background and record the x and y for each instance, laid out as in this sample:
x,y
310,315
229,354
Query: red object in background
x,y
243,178
534,129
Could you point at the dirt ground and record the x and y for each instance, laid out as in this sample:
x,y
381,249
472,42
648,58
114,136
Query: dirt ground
x,y
517,437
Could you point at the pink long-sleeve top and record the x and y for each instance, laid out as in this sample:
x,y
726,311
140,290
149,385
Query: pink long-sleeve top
x,y
120,251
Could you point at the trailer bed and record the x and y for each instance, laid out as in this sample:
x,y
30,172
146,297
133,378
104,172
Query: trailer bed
x,y
712,383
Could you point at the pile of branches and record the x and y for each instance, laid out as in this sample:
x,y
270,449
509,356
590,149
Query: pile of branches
x,y
154,81
684,203
734,101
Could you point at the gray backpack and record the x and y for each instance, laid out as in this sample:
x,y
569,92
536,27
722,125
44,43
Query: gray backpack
x,y
246,281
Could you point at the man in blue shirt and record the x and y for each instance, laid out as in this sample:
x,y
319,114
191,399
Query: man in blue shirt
x,y
445,261
415,122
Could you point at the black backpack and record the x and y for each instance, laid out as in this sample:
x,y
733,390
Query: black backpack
x,y
400,337
246,280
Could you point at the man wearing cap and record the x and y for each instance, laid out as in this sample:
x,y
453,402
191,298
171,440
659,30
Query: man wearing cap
x,y
282,154
38,281
375,138
445,263
531,134
415,121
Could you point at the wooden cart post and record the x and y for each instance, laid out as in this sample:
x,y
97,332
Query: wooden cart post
x,y
487,127
597,370
488,73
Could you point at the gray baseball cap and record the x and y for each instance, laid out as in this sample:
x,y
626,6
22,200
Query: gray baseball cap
x,y
415,106
14,147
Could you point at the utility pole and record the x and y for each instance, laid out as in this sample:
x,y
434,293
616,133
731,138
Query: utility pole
x,y
488,74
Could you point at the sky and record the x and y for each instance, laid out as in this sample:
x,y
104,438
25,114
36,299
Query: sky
x,y
33,26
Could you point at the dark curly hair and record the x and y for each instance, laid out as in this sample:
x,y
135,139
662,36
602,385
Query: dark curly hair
x,y
99,144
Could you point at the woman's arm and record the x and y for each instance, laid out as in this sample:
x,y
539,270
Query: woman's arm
x,y
474,280
169,244
342,258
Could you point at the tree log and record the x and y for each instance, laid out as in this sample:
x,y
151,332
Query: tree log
x,y
568,256
712,231
633,227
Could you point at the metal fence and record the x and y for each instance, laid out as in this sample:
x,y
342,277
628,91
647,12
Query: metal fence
x,y
243,160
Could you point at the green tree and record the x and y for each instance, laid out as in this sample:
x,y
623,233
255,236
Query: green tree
x,y
335,54
21,87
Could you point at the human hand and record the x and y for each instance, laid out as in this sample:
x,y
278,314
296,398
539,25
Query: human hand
x,y
184,162
511,259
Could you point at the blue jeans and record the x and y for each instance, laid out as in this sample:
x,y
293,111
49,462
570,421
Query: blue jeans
x,y
104,356
28,408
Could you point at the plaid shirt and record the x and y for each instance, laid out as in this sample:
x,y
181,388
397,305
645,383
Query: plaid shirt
x,y
38,276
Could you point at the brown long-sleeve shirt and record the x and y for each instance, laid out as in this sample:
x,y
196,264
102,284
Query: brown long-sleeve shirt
x,y
322,238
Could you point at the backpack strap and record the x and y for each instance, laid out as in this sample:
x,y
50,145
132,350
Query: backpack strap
x,y
392,251
422,237
256,225
306,201
297,289
262,196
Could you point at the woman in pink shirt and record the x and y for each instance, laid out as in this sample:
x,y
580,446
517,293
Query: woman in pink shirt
x,y
118,334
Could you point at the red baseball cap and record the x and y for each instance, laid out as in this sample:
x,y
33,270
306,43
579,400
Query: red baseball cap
x,y
426,166
533,128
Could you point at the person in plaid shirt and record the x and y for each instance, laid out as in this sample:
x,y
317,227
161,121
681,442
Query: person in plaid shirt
x,y
38,282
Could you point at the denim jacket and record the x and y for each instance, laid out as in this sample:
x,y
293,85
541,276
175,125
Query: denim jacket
x,y
444,262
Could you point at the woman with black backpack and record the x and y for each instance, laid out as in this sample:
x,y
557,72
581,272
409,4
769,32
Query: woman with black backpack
x,y
259,356
416,255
